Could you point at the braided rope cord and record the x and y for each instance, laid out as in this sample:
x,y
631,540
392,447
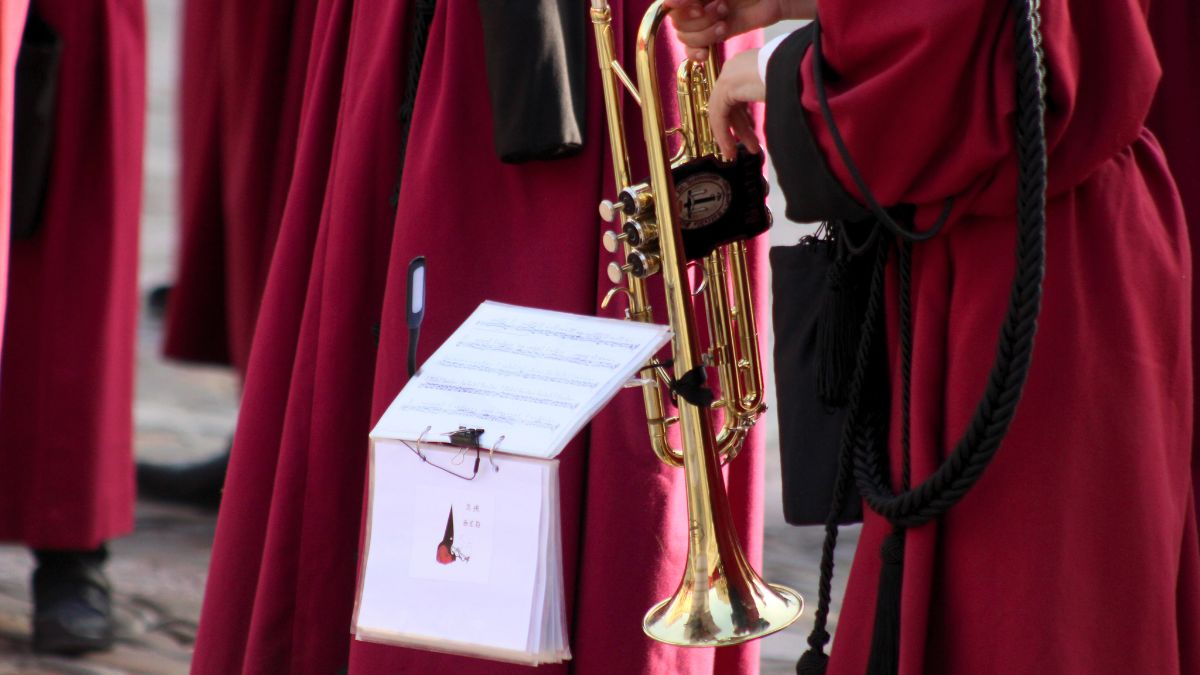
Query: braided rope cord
x,y
974,451
904,259
852,431
862,455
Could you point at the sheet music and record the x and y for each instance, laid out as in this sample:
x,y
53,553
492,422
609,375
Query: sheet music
x,y
533,376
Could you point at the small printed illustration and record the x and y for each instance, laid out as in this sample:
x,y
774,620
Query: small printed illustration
x,y
446,552
453,533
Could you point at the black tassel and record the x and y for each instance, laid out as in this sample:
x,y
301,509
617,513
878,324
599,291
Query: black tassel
x,y
885,643
838,326
813,662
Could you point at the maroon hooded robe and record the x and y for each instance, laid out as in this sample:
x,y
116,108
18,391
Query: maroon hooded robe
x,y
244,66
66,388
282,580
1175,121
12,21
243,629
1076,553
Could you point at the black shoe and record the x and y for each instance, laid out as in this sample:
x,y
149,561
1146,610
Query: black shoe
x,y
197,484
72,605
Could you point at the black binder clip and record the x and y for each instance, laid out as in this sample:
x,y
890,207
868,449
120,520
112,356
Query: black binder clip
x,y
465,437
469,439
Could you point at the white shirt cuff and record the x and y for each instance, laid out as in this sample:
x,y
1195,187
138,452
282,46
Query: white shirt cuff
x,y
764,55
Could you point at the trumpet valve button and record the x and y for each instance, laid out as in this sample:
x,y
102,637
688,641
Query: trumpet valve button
x,y
612,241
609,210
616,272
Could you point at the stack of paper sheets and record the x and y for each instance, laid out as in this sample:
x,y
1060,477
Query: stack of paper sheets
x,y
498,592
464,547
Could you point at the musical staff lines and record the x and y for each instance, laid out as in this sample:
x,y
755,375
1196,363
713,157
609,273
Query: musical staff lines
x,y
533,376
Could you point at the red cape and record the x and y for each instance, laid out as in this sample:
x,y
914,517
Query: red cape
x,y
282,580
1077,550
66,388
240,93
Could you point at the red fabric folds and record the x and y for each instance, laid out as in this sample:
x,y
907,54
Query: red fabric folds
x,y
258,469
243,78
195,327
12,22
283,574
1174,25
66,388
1075,553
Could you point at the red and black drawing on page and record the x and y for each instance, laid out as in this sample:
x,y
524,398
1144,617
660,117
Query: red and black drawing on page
x,y
446,552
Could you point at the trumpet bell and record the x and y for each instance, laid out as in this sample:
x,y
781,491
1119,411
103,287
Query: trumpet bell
x,y
708,617
721,599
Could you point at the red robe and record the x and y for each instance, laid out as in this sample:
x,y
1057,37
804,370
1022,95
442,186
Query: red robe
x,y
282,579
243,77
12,22
246,550
1174,119
66,388
1077,551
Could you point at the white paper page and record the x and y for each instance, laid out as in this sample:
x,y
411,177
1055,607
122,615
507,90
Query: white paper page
x,y
481,600
533,376
554,632
541,600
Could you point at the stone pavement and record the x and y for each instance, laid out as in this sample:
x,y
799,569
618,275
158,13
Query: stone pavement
x,y
187,413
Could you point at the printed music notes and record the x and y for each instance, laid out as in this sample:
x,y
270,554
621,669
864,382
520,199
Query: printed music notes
x,y
464,550
533,376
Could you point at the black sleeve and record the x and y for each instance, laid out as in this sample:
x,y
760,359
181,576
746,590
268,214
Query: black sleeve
x,y
536,56
36,96
812,192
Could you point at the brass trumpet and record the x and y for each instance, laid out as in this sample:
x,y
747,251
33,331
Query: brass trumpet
x,y
721,599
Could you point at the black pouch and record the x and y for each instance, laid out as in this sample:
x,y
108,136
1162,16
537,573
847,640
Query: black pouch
x,y
33,123
814,329
810,430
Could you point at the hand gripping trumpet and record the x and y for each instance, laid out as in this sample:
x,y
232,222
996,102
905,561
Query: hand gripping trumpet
x,y
695,209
